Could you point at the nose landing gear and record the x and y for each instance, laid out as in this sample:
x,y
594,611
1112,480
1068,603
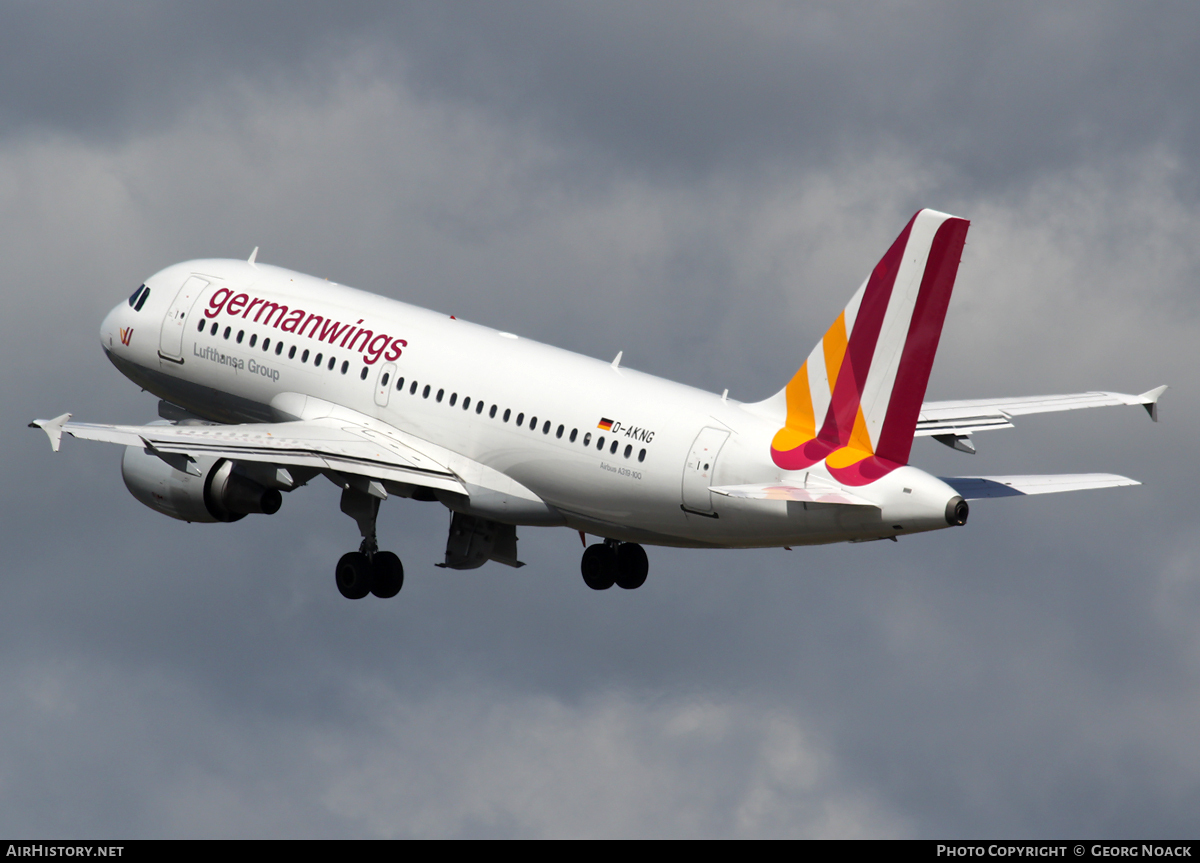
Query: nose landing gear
x,y
611,562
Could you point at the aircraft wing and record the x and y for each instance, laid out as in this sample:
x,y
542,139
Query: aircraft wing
x,y
952,422
978,487
330,444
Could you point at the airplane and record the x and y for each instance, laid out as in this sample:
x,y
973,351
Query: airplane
x,y
268,378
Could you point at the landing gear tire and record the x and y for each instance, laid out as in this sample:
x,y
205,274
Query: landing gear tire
x,y
599,566
632,566
388,575
354,575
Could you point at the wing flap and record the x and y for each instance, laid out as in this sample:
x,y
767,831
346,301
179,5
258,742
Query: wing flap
x,y
979,487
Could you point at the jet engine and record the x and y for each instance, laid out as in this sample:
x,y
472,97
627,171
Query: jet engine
x,y
218,493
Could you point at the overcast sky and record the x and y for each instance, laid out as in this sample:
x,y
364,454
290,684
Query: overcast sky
x,y
701,186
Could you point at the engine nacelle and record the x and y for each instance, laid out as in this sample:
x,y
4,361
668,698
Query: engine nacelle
x,y
219,493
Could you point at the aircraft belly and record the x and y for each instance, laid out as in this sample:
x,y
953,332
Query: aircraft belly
x,y
757,523
574,483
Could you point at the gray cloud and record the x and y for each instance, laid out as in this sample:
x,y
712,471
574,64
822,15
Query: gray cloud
x,y
1002,94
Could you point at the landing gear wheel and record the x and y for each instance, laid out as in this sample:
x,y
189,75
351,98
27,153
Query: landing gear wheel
x,y
354,575
599,567
632,566
388,575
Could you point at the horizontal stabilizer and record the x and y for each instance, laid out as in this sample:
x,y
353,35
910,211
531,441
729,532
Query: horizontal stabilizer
x,y
978,487
788,491
961,418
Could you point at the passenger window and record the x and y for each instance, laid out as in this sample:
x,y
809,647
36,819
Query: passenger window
x,y
227,332
574,434
200,328
520,419
412,391
613,448
253,339
382,383
239,336
346,368
492,412
279,348
587,439
366,369
453,399
332,363
133,298
317,360
642,455
425,392
213,331
440,394
479,408
304,356
507,414
533,423
628,450
142,301
600,442
291,352
266,345
546,428
399,384
467,403
559,432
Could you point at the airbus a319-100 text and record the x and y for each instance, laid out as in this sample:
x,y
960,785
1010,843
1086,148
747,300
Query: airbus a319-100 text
x,y
269,378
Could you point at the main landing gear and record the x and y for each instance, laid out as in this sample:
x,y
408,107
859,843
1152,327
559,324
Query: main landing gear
x,y
360,573
367,570
611,562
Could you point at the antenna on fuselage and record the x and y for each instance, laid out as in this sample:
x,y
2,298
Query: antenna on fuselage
x,y
253,255
616,363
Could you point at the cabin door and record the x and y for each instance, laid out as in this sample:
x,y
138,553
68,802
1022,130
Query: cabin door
x,y
700,468
170,341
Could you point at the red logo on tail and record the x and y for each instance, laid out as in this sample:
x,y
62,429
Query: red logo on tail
x,y
126,335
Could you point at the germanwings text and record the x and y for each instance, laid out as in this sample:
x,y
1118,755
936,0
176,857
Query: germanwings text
x,y
370,344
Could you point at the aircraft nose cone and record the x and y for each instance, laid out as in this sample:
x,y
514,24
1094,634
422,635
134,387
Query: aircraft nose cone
x,y
108,328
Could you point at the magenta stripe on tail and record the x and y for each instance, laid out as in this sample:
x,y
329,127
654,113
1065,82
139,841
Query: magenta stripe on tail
x,y
852,377
924,331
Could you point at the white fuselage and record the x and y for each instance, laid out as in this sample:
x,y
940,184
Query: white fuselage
x,y
671,441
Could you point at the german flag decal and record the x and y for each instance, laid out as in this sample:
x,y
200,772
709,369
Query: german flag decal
x,y
605,424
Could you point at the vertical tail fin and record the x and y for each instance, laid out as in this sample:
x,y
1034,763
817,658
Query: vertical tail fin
x,y
856,399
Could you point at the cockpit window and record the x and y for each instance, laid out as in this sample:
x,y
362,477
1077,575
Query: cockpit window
x,y
133,298
142,301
